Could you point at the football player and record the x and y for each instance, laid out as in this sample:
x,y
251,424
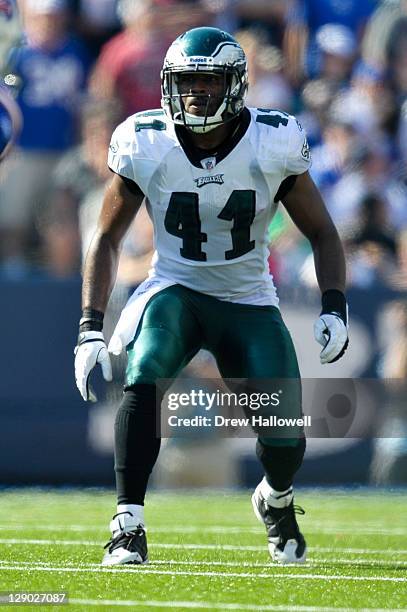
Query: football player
x,y
212,173
10,122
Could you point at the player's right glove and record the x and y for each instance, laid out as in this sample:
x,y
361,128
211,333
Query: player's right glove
x,y
90,350
331,329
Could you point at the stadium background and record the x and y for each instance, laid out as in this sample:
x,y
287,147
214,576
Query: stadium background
x,y
78,68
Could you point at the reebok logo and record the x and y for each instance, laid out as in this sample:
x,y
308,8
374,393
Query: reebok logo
x,y
205,180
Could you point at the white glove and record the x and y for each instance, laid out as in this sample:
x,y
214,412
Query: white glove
x,y
332,333
90,350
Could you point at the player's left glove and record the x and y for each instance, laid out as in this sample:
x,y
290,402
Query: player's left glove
x,y
331,329
91,350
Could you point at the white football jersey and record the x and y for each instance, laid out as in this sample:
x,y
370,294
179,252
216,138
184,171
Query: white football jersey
x,y
211,216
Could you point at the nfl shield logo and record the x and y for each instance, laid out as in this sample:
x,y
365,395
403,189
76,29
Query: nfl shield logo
x,y
209,163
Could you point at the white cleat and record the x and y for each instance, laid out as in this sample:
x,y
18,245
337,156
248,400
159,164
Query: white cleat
x,y
128,544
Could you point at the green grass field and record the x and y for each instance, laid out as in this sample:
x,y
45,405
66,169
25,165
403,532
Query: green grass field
x,y
207,552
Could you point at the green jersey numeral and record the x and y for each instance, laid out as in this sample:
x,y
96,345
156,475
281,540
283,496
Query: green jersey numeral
x,y
273,120
154,124
182,220
241,209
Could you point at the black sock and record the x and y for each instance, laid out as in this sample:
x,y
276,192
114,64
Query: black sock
x,y
136,443
280,463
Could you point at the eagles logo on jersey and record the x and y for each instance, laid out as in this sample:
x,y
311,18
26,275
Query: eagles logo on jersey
x,y
305,152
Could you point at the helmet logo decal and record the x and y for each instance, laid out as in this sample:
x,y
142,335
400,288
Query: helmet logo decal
x,y
239,51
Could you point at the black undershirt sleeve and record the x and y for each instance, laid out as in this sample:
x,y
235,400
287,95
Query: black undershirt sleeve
x,y
130,184
286,185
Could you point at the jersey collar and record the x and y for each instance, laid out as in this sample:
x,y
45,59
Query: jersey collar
x,y
195,155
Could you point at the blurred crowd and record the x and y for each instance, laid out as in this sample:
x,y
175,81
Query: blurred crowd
x,y
78,67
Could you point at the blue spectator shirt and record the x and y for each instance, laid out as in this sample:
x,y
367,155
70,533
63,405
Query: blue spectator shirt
x,y
316,13
313,14
52,84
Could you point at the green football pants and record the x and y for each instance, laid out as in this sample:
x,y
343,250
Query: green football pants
x,y
246,341
249,342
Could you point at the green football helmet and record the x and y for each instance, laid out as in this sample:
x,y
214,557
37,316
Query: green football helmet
x,y
206,50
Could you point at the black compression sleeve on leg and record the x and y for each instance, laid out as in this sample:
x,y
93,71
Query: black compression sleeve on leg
x,y
136,443
280,463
